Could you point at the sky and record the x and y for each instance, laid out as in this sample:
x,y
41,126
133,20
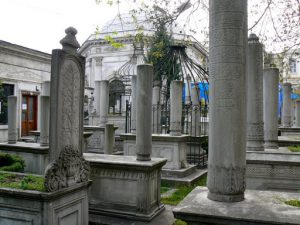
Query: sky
x,y
40,24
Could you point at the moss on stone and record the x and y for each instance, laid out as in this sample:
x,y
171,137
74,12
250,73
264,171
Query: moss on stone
x,y
293,202
19,181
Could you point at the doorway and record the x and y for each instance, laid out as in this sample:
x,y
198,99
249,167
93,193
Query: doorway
x,y
29,113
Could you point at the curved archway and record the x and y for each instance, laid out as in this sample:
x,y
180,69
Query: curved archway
x,y
116,93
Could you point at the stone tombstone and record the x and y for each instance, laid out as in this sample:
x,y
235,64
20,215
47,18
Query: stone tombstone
x,y
227,113
104,102
175,107
297,112
133,104
255,124
44,123
196,116
287,105
270,93
12,119
144,112
67,165
156,108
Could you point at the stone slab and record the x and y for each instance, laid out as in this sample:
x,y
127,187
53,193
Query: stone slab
x,y
273,170
188,180
284,141
34,148
164,218
126,161
289,131
258,208
190,169
125,187
158,137
174,148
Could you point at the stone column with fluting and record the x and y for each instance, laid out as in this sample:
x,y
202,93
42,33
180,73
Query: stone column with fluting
x,y
104,104
12,119
175,107
45,118
255,124
297,112
144,112
133,104
195,111
156,109
270,90
109,138
227,100
286,119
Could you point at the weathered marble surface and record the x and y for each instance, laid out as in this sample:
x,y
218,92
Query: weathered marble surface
x,y
125,187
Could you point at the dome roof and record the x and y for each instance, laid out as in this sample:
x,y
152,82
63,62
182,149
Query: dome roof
x,y
124,24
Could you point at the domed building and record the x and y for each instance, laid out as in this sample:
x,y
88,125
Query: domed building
x,y
106,62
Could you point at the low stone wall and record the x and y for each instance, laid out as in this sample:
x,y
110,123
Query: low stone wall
x,y
124,187
36,157
273,171
68,206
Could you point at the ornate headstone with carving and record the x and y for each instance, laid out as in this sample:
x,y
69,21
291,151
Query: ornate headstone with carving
x,y
66,116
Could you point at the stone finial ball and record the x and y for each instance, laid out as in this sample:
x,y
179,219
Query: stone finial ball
x,y
71,30
253,37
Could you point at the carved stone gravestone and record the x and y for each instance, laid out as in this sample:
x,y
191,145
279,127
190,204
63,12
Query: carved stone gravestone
x,y
65,199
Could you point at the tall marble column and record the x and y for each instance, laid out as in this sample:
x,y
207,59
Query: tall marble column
x,y
109,138
156,110
195,111
133,104
286,119
255,124
12,119
104,102
45,118
97,96
175,107
144,112
227,100
270,90
297,123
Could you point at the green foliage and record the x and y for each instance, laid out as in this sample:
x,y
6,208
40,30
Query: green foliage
x,y
113,42
179,222
9,162
181,192
164,189
16,181
158,54
294,148
293,202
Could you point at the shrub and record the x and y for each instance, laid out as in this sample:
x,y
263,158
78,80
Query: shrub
x,y
13,163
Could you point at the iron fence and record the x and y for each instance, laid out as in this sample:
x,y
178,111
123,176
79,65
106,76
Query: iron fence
x,y
195,123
